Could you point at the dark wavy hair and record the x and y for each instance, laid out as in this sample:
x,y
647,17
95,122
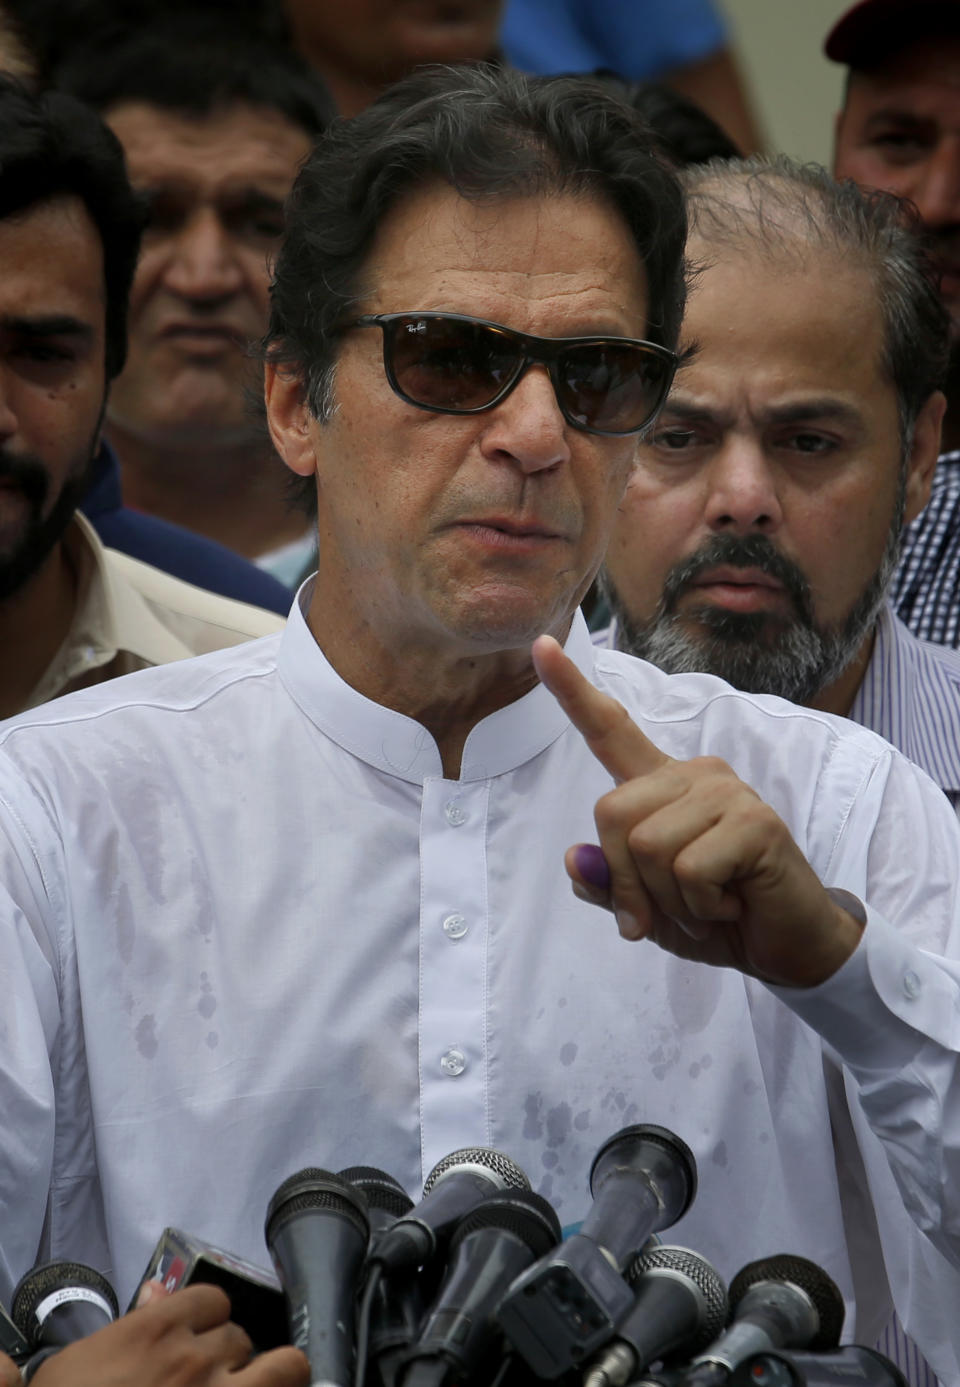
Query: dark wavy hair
x,y
487,132
52,146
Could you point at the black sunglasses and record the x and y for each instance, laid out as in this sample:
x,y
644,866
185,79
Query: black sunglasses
x,y
452,364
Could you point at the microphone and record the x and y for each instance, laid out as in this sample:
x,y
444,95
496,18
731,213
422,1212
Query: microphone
x,y
567,1305
12,1342
680,1301
398,1305
778,1302
386,1198
317,1231
57,1303
491,1246
454,1186
851,1366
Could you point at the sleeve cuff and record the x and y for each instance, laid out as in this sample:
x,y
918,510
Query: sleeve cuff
x,y
885,1003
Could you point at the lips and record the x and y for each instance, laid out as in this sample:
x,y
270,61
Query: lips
x,y
206,336
732,576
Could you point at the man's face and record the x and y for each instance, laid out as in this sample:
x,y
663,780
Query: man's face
x,y
900,131
756,534
52,377
215,188
471,533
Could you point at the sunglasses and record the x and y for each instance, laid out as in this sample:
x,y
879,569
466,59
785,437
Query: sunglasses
x,y
452,364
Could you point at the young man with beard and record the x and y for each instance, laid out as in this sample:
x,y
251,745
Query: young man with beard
x,y
73,613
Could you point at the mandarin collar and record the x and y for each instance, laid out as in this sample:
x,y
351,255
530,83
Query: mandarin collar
x,y
400,746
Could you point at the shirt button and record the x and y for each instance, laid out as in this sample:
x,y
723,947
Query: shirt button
x,y
453,814
454,926
454,1062
911,984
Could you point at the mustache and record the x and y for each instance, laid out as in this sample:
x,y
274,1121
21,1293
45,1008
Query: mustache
x,y
27,473
734,551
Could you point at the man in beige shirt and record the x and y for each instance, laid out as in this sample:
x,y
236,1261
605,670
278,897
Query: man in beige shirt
x,y
71,612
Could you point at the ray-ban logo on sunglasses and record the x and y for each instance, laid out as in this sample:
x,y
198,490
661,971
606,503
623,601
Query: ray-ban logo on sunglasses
x,y
417,327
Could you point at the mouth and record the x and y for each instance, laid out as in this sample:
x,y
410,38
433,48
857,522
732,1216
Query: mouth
x,y
203,338
509,533
739,589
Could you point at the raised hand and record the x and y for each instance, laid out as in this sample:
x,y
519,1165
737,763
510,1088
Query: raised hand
x,y
695,860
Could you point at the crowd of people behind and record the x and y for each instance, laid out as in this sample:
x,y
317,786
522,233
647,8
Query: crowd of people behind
x,y
283,287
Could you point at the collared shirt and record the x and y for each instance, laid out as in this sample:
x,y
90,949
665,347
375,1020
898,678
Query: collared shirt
x,y
171,548
925,592
130,616
247,925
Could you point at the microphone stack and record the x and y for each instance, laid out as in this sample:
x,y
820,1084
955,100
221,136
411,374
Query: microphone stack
x,y
472,1286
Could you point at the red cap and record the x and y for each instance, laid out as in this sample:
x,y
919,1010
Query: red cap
x,y
874,29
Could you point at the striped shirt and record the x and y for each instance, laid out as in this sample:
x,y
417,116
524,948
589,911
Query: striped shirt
x,y
910,694
925,592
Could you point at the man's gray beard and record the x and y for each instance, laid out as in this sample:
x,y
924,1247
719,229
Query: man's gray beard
x,y
796,663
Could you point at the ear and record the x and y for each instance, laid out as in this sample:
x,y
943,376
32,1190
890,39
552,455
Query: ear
x,y
289,418
923,454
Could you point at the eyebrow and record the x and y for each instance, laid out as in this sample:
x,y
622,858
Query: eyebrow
x,y
47,325
791,412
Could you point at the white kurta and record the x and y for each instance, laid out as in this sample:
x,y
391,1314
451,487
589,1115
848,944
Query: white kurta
x,y
246,926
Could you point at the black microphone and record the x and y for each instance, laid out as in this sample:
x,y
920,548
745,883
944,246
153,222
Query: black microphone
x,y
851,1366
399,1304
317,1230
58,1303
454,1186
12,1342
567,1305
680,1301
778,1302
491,1246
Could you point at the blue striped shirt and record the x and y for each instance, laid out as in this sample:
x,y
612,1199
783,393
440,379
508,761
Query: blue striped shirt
x,y
925,591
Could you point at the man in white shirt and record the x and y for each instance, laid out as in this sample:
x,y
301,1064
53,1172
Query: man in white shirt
x,y
302,903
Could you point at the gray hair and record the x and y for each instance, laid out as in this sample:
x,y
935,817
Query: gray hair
x,y
776,203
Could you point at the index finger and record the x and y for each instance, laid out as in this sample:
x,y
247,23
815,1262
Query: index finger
x,y
605,725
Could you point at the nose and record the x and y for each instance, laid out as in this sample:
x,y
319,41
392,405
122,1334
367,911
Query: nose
x,y
934,185
527,429
202,263
742,495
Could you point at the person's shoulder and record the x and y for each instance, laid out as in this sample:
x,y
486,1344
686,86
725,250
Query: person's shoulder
x,y
182,687
717,709
202,619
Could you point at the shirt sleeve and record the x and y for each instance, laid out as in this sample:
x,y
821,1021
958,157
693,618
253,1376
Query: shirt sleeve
x,y
29,1050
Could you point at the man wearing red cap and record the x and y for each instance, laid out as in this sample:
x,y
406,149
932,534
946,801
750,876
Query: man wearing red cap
x,y
899,129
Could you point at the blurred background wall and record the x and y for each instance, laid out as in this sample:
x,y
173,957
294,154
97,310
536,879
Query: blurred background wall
x,y
794,89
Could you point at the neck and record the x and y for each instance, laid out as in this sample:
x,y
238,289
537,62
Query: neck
x,y
238,496
838,697
34,622
350,95
447,692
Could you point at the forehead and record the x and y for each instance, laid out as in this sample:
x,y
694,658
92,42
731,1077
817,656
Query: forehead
x,y
234,144
765,323
924,76
517,260
52,259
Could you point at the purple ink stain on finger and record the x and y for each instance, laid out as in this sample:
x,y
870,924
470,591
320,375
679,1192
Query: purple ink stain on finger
x,y
592,865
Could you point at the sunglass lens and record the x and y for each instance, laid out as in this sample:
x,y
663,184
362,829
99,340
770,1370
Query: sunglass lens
x,y
449,365
612,388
